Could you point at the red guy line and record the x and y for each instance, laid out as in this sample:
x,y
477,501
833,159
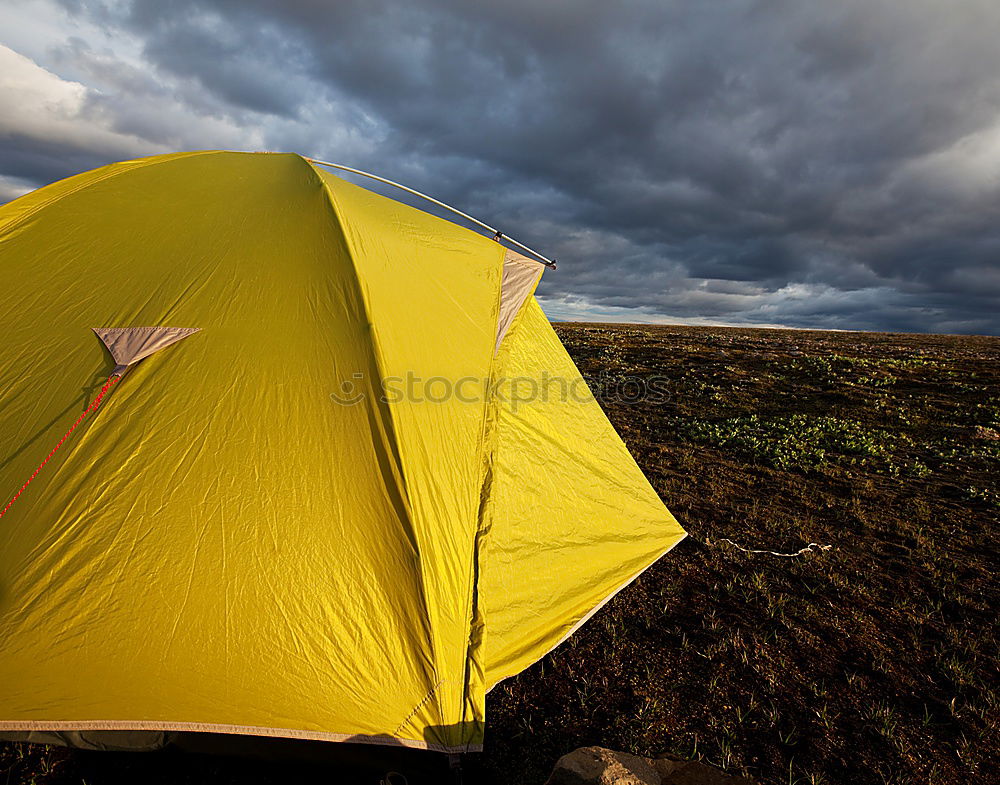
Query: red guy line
x,y
92,408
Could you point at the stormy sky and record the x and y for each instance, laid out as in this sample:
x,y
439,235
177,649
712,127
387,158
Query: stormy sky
x,y
744,162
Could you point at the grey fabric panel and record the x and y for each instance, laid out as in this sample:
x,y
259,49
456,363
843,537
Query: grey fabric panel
x,y
520,276
128,345
108,740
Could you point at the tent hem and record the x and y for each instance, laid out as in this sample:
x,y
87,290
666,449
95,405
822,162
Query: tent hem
x,y
241,730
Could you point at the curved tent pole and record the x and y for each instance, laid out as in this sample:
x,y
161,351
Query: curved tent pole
x,y
497,234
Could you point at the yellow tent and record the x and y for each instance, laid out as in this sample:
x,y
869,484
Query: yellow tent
x,y
346,480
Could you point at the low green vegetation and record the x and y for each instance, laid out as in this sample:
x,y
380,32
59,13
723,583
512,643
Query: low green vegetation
x,y
798,440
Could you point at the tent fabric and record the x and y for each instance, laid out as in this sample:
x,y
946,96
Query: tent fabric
x,y
129,345
571,517
314,520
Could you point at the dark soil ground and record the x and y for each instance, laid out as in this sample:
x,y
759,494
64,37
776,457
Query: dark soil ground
x,y
875,661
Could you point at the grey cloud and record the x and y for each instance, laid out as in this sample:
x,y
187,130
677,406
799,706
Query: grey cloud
x,y
759,160
38,161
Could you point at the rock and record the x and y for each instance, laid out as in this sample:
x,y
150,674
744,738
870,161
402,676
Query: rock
x,y
600,766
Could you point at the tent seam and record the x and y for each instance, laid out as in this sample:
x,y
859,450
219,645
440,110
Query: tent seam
x,y
380,367
416,708
491,411
487,429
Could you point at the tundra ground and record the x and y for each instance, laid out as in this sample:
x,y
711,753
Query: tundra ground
x,y
873,662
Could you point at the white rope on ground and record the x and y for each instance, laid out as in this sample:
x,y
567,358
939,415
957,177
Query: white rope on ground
x,y
497,234
807,549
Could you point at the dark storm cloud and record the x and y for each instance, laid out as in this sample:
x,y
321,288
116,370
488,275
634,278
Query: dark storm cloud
x,y
39,161
830,165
